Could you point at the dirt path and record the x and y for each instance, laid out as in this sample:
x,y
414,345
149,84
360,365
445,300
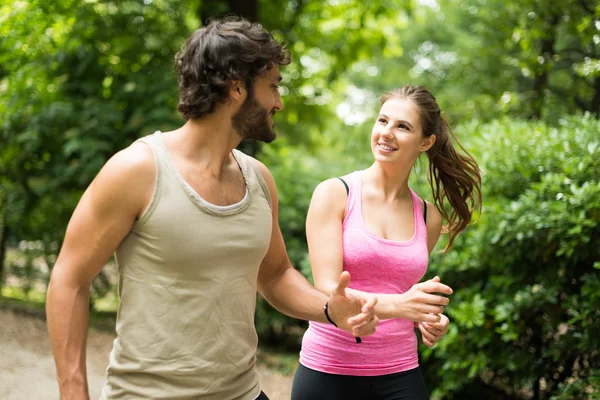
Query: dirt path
x,y
27,367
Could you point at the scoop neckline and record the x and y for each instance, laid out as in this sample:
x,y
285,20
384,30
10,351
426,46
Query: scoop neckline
x,y
198,200
366,229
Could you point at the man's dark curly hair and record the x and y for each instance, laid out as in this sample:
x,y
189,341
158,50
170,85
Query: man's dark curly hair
x,y
224,50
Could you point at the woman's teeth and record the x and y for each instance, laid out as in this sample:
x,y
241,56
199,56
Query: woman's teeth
x,y
386,148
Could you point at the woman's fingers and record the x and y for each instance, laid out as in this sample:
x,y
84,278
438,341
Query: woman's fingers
x,y
427,317
435,300
367,328
366,315
437,331
428,339
429,309
434,287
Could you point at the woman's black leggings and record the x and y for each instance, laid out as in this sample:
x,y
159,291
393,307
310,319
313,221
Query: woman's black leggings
x,y
314,385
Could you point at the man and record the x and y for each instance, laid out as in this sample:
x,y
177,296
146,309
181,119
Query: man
x,y
194,227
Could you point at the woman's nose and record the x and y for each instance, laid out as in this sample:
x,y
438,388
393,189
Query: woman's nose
x,y
386,131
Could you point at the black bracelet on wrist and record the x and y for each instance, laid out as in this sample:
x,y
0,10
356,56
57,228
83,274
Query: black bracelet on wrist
x,y
326,308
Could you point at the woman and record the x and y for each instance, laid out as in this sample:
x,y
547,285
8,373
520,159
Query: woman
x,y
373,225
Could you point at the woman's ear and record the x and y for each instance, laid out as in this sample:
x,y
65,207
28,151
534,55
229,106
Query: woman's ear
x,y
428,142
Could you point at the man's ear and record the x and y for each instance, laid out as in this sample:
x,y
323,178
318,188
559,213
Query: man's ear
x,y
237,90
428,142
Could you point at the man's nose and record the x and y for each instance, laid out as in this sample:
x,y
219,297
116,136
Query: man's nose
x,y
278,103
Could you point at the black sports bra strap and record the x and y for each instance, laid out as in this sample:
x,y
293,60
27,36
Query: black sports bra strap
x,y
345,184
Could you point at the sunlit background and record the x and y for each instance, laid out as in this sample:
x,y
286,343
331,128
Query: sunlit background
x,y
518,80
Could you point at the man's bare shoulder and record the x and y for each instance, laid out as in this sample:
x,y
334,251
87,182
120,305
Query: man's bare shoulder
x,y
135,162
128,176
137,158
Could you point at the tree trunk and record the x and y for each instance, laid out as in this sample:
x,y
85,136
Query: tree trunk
x,y
540,81
536,389
566,373
218,9
3,241
246,8
596,99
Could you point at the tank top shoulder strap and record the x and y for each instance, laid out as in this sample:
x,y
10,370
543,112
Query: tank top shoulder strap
x,y
252,174
420,206
155,142
420,211
352,182
161,156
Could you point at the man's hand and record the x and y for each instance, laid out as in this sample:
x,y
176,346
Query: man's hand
x,y
431,333
420,305
354,313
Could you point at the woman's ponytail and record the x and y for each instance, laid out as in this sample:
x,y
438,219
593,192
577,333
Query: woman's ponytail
x,y
454,177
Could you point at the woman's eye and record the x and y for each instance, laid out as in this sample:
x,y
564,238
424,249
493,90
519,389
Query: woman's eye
x,y
402,126
381,120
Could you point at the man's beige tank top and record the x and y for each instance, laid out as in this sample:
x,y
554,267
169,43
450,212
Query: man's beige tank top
x,y
187,287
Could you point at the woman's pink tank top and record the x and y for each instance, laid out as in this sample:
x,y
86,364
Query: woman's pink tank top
x,y
376,265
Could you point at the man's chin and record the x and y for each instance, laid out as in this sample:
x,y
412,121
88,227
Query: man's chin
x,y
267,138
270,139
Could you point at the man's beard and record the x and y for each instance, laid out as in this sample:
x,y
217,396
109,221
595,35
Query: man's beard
x,y
252,121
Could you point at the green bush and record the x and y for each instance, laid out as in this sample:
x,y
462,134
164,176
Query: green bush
x,y
525,310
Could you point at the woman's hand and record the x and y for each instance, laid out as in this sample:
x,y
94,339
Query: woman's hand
x,y
352,312
431,333
419,304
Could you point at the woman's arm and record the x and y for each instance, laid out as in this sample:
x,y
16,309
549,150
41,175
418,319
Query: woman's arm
x,y
324,235
431,333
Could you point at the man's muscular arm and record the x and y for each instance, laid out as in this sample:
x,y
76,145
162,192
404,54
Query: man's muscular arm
x,y
103,217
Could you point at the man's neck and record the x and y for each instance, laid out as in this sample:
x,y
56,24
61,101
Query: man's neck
x,y
207,142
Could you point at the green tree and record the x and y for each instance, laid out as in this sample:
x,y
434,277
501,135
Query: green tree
x,y
484,58
79,81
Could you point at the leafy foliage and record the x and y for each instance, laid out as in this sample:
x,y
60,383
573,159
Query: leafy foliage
x,y
83,80
527,285
484,58
80,80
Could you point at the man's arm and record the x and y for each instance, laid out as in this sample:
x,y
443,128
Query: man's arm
x,y
290,293
101,220
324,235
